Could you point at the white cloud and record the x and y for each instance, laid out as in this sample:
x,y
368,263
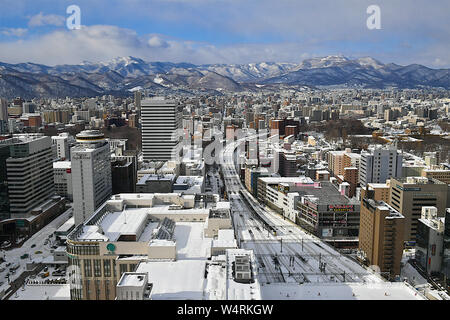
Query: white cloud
x,y
13,32
40,20
104,42
157,42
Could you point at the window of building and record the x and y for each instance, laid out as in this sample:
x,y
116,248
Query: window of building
x,y
87,267
97,267
107,267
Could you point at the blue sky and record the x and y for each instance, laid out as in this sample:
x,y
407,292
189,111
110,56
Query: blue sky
x,y
224,31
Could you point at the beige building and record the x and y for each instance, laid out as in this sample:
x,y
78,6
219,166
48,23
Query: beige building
x,y
132,228
381,234
408,196
442,175
379,191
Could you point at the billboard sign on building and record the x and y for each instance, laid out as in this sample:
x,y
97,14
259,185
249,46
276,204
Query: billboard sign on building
x,y
340,207
327,232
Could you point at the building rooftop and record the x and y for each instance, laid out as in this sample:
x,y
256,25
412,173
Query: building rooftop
x,y
276,180
341,291
132,279
418,180
326,194
135,215
62,165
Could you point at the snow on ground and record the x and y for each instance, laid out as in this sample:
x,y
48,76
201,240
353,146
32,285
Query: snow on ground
x,y
38,239
340,291
43,292
412,275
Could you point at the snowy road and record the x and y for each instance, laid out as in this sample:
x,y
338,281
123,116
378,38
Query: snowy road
x,y
38,239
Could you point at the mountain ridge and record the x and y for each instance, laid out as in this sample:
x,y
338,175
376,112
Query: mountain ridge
x,y
119,74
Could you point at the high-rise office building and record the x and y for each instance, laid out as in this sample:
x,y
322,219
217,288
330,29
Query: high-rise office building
x,y
91,173
30,173
378,165
3,109
408,196
137,99
161,126
3,116
381,233
4,199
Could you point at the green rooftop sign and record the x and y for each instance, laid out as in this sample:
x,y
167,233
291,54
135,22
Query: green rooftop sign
x,y
111,247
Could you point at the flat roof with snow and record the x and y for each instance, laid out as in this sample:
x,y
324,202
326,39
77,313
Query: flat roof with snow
x,y
340,291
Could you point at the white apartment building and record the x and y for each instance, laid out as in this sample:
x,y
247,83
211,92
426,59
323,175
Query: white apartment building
x,y
63,142
91,174
378,165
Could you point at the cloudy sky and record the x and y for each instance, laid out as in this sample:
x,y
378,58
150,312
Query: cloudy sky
x,y
224,31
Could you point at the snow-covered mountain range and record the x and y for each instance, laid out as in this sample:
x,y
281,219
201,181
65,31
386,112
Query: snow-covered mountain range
x,y
122,74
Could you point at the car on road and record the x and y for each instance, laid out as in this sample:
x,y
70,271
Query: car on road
x,y
14,267
24,256
45,275
33,245
46,269
38,252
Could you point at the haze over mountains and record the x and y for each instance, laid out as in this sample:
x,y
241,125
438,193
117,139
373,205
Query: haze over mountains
x,y
125,74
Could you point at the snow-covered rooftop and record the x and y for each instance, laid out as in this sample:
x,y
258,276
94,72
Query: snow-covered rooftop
x,y
340,291
185,282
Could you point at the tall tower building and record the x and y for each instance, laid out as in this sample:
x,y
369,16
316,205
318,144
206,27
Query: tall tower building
x,y
379,165
30,173
3,115
137,99
381,234
161,126
91,173
3,109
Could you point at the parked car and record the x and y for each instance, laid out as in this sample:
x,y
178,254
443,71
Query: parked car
x,y
33,245
24,256
45,275
14,267
38,252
